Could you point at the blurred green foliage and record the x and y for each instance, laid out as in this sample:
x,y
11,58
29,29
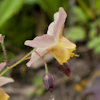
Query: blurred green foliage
x,y
94,36
80,16
75,34
31,2
97,4
51,6
90,24
8,8
37,83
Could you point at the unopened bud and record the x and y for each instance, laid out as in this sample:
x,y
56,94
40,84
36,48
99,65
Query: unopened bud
x,y
65,68
48,81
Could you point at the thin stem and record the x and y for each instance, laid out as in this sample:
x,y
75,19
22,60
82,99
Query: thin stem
x,y
4,51
21,60
46,68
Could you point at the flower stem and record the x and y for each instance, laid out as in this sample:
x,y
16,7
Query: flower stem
x,y
46,67
4,51
18,62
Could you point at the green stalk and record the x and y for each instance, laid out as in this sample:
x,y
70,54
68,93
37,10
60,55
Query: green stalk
x,y
21,60
4,51
46,68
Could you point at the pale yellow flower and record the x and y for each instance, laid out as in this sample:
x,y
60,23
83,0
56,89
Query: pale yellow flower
x,y
53,42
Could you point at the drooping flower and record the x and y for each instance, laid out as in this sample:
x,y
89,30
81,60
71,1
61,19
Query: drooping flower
x,y
3,81
53,42
2,65
48,81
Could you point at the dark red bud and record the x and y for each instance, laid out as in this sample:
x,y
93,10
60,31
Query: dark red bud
x,y
48,81
65,68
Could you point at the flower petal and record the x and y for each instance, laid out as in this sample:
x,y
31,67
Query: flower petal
x,y
2,65
55,27
63,50
35,56
3,95
5,80
61,54
67,44
41,41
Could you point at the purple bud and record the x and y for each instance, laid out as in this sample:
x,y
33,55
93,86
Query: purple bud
x,y
65,68
48,81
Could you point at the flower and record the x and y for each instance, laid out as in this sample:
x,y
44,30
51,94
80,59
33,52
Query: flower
x,y
48,81
2,65
53,42
3,81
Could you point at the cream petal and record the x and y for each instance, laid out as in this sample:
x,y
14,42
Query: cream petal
x,y
68,44
5,80
55,27
35,56
61,54
2,65
44,41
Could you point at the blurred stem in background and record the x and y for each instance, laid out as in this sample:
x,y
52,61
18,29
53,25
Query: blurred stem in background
x,y
92,5
87,9
71,4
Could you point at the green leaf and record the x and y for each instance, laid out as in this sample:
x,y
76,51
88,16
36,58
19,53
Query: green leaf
x,y
79,14
75,34
92,33
8,8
